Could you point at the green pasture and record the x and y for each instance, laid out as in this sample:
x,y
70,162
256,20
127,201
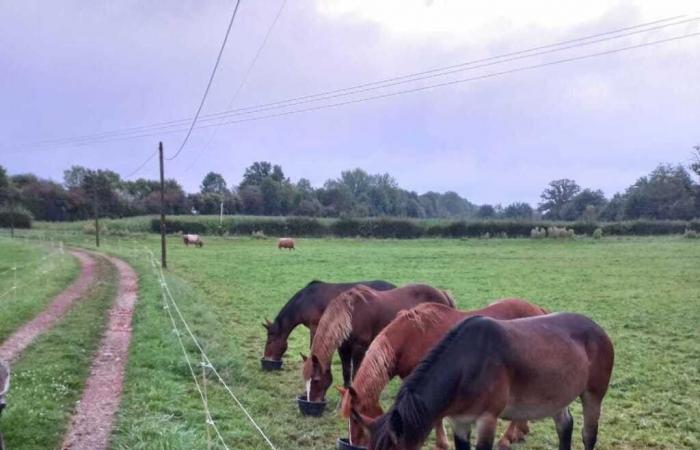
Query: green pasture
x,y
644,291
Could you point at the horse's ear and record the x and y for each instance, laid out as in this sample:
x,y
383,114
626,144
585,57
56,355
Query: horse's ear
x,y
341,390
303,357
395,426
266,325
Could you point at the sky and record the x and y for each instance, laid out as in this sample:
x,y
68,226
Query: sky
x,y
77,68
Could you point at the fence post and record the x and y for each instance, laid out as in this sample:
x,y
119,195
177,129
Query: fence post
x,y
163,259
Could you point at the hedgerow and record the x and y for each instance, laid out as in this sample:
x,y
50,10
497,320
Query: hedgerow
x,y
399,228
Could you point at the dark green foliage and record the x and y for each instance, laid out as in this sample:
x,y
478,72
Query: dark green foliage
x,y
518,210
180,226
22,218
378,228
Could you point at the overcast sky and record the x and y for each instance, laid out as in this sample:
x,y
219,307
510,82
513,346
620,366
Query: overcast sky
x,y
74,68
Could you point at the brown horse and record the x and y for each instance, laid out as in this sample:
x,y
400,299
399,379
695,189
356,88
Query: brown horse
x,y
399,348
306,308
483,369
285,243
355,317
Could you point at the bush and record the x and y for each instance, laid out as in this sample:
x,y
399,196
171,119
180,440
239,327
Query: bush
x,y
258,235
538,233
179,226
400,228
691,234
560,232
19,217
598,233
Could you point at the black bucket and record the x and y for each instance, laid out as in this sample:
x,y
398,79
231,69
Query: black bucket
x,y
307,408
271,364
344,444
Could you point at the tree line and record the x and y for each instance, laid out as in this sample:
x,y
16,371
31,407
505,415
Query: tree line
x,y
668,192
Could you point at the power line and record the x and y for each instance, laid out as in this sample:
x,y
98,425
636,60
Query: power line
x,y
243,81
107,136
211,80
142,165
463,80
446,83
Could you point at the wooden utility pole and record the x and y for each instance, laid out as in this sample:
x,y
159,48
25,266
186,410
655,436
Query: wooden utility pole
x,y
163,261
96,211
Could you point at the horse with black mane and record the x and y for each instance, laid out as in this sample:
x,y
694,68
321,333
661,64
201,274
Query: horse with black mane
x,y
353,320
483,369
400,347
306,308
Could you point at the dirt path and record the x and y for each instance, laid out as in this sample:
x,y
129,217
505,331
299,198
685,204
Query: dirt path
x,y
92,422
59,306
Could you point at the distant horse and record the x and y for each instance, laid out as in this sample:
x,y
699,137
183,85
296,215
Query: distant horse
x,y
483,369
4,387
285,243
399,348
355,317
306,308
192,239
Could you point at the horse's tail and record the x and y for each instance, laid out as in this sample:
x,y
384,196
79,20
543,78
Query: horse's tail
x,y
449,298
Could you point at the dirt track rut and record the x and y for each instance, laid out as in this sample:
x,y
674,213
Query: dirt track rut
x,y
93,419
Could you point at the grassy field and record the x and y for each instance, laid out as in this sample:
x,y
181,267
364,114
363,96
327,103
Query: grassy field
x,y
644,291
49,377
42,272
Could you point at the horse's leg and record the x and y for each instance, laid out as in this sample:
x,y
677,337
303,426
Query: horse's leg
x,y
516,432
591,414
565,427
312,333
345,353
461,432
440,436
485,432
358,354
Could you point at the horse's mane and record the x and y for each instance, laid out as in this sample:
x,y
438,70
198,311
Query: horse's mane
x,y
292,302
379,363
411,411
335,325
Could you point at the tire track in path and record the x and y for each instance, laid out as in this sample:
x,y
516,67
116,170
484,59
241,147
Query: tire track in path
x,y
17,342
92,422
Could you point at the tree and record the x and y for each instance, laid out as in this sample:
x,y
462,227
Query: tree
x,y
213,183
586,203
486,212
666,193
518,210
695,165
556,195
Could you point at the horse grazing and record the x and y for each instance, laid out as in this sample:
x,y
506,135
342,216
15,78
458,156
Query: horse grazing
x,y
4,387
285,243
483,369
194,239
353,319
306,308
400,347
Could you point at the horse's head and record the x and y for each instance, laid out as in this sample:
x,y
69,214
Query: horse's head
x,y
356,428
4,384
385,432
276,344
317,378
